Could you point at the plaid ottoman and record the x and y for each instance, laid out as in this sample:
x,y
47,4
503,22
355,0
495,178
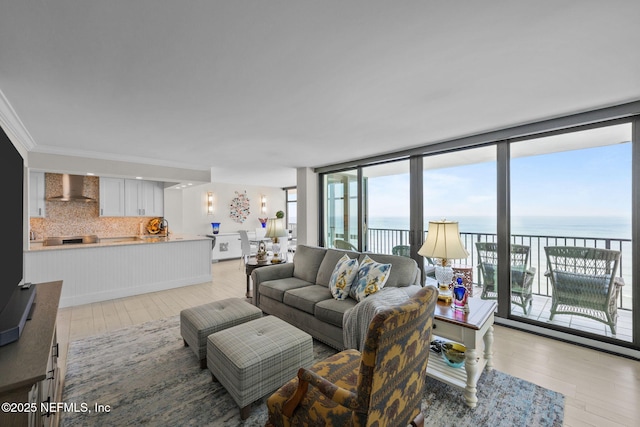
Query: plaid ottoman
x,y
197,323
254,359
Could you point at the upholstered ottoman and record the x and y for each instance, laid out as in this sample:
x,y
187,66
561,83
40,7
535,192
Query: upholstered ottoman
x,y
255,358
197,323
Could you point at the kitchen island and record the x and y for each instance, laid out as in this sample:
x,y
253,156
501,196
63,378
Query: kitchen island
x,y
120,267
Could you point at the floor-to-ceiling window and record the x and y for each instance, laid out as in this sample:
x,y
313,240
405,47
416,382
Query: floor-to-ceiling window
x,y
340,219
558,183
386,208
573,190
461,186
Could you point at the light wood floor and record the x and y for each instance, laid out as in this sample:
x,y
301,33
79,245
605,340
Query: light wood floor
x,y
600,389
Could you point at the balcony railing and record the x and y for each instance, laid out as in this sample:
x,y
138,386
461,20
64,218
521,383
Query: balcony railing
x,y
383,240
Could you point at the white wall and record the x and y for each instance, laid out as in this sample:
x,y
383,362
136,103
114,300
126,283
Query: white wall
x,y
186,209
307,185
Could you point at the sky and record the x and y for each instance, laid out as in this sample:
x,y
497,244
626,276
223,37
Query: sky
x,y
585,182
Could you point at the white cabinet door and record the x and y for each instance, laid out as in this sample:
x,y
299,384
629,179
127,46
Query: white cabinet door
x,y
143,198
132,191
111,196
152,197
36,195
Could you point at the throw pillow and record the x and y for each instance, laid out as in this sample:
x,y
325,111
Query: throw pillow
x,y
372,277
342,277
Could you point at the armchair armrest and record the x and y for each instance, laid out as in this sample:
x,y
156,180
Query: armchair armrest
x,y
338,394
619,282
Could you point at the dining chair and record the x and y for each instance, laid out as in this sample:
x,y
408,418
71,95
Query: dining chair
x,y
248,250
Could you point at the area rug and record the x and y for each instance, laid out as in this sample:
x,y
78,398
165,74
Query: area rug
x,y
143,375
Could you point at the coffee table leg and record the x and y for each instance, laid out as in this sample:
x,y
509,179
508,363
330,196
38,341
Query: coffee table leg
x,y
471,367
488,348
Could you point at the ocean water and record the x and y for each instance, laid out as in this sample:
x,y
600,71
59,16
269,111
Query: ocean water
x,y
569,226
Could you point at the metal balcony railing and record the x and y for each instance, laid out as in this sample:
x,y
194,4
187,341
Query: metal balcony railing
x,y
383,240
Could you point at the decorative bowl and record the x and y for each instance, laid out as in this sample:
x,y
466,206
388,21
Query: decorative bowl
x,y
453,354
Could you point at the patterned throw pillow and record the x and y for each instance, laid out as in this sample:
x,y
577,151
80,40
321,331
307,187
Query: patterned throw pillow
x,y
371,278
342,277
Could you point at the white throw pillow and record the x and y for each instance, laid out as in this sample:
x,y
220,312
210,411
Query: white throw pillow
x,y
342,277
372,277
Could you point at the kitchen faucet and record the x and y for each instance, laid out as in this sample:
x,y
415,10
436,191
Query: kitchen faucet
x,y
164,223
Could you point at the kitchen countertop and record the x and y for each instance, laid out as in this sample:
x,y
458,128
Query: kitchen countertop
x,y
37,245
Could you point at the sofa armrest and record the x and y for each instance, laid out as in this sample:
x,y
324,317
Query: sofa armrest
x,y
264,274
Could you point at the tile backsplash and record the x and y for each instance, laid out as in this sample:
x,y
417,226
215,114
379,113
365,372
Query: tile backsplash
x,y
75,218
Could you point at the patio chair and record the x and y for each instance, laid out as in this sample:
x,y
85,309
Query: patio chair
x,y
402,250
343,244
521,274
584,282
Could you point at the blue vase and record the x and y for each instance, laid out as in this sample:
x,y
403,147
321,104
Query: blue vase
x,y
216,227
459,295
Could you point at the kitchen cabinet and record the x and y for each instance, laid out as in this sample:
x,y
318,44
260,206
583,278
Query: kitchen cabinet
x,y
143,198
36,195
227,246
112,196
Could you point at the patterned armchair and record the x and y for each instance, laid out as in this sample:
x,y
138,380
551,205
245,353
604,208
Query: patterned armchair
x,y
383,386
521,274
584,282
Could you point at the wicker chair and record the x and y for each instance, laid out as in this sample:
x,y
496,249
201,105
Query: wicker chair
x,y
521,274
343,244
584,282
402,250
383,386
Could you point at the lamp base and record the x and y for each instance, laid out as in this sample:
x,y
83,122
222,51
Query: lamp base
x,y
444,275
445,294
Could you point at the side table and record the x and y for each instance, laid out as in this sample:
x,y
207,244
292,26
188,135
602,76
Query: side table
x,y
251,265
475,331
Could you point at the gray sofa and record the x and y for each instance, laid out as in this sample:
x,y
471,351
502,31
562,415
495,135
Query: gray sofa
x,y
299,292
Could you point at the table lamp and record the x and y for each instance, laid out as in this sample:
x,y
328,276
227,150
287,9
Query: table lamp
x,y
275,230
443,242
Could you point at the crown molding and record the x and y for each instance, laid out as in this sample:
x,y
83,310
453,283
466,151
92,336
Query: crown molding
x,y
12,124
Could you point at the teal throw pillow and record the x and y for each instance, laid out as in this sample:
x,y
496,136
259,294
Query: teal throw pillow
x,y
372,277
342,277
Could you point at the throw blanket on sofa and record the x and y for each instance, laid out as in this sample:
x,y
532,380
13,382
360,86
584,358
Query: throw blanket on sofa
x,y
355,322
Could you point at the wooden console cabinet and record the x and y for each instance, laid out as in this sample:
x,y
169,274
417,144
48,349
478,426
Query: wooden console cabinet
x,y
29,374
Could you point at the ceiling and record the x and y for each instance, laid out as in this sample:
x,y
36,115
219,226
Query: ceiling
x,y
253,89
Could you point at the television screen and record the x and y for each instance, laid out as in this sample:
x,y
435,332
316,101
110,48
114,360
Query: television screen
x,y
12,167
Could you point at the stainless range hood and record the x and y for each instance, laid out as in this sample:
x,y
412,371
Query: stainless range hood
x,y
72,190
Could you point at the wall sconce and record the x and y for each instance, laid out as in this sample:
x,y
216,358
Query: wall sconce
x,y
263,204
209,203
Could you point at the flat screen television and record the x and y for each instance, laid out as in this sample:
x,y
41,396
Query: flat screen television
x,y
15,302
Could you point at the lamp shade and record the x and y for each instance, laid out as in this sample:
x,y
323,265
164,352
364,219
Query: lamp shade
x,y
443,241
275,228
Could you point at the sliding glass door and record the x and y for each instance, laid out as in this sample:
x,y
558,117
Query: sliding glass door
x,y
539,211
461,186
386,208
341,223
570,195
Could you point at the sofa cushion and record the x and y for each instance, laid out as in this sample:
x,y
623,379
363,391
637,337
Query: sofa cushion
x,y
306,262
405,270
332,311
306,298
275,289
329,262
372,277
343,276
